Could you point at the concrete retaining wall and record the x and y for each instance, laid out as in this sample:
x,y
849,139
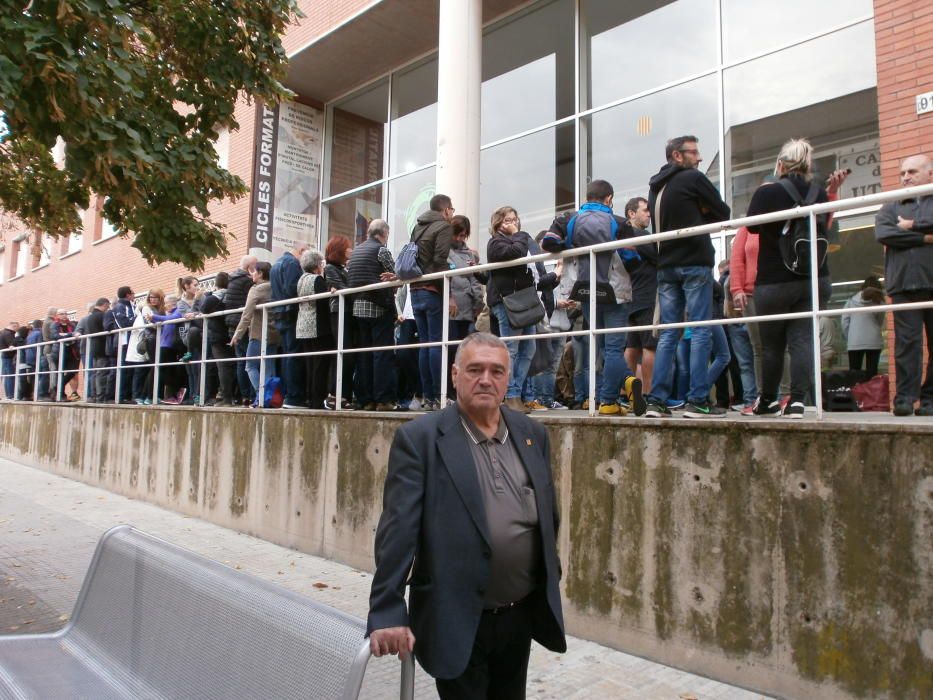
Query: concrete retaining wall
x,y
797,560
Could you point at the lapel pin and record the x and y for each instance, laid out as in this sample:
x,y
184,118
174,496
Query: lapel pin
x,y
528,442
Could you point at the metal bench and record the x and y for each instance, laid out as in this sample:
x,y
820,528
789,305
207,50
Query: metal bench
x,y
154,620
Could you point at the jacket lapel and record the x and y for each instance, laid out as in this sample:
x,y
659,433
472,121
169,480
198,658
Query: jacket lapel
x,y
458,459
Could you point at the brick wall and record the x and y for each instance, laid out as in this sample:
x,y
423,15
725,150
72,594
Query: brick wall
x,y
102,266
904,48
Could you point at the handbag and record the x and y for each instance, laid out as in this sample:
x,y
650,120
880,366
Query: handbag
x,y
873,395
142,345
523,308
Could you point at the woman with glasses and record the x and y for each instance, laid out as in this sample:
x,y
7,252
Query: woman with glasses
x,y
508,242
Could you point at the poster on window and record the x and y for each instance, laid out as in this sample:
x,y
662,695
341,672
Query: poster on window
x,y
286,177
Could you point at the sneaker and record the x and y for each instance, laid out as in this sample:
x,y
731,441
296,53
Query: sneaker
x,y
586,405
770,409
535,406
414,404
747,410
674,404
634,394
738,408
401,407
147,402
139,402
430,405
657,410
903,408
186,357
793,410
292,405
556,406
611,409
703,409
925,409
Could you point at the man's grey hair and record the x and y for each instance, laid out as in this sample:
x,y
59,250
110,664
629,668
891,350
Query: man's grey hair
x,y
311,259
377,227
487,339
247,261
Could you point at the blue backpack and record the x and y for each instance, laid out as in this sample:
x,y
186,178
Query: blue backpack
x,y
272,393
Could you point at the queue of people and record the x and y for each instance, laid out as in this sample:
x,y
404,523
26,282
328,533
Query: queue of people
x,y
769,365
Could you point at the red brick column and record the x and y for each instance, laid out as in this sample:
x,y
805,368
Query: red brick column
x,y
904,48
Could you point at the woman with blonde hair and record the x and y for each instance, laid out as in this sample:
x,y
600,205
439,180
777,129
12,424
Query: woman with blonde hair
x,y
780,289
190,299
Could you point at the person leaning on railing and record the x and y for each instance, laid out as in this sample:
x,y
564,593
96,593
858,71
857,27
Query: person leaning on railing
x,y
778,290
313,329
218,338
336,256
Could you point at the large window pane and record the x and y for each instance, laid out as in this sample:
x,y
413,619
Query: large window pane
x,y
528,71
625,144
409,197
357,139
414,118
350,216
533,174
750,27
833,104
630,47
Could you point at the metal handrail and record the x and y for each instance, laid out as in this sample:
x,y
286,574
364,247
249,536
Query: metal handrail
x,y
720,228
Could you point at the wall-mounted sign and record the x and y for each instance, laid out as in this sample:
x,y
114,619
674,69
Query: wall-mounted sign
x,y
925,103
286,174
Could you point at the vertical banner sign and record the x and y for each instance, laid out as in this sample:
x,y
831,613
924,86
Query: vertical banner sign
x,y
286,178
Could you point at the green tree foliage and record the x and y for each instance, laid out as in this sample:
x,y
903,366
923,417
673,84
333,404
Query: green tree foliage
x,y
137,90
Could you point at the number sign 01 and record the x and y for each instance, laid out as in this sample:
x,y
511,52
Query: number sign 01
x,y
925,103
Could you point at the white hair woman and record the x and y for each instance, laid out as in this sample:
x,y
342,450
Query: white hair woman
x,y
781,287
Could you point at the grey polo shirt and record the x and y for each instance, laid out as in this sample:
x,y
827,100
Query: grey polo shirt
x,y
511,515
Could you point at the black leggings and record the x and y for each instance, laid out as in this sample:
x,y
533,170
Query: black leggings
x,y
871,358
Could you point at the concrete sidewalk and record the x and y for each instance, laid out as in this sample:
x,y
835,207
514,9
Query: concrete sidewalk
x,y
49,526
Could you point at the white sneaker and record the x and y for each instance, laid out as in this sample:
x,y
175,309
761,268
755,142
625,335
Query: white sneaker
x,y
414,404
556,406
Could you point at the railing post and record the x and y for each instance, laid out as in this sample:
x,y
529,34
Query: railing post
x,y
815,302
88,376
117,383
155,365
40,350
341,321
16,364
202,383
591,349
407,689
60,390
445,336
261,389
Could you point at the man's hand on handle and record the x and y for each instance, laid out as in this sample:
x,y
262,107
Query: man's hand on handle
x,y
392,640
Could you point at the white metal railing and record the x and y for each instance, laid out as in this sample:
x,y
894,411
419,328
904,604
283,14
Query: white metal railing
x,y
718,229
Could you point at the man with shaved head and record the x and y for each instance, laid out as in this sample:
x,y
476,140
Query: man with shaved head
x,y
905,229
235,298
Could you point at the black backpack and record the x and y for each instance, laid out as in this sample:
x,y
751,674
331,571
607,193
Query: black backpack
x,y
794,242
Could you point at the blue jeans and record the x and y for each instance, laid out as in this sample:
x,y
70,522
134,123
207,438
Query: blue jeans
x,y
429,317
684,293
8,371
745,356
612,345
294,367
681,384
242,378
721,354
542,385
252,366
521,352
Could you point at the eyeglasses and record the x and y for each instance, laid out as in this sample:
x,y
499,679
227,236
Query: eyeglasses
x,y
510,220
695,151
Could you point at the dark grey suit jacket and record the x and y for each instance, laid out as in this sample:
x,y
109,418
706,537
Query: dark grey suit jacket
x,y
433,524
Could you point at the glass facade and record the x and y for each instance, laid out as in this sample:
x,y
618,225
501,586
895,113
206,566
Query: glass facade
x,y
574,90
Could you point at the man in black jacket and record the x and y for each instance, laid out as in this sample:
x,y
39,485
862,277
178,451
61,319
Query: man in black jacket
x,y
121,315
469,509
97,360
906,230
237,289
681,197
7,344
